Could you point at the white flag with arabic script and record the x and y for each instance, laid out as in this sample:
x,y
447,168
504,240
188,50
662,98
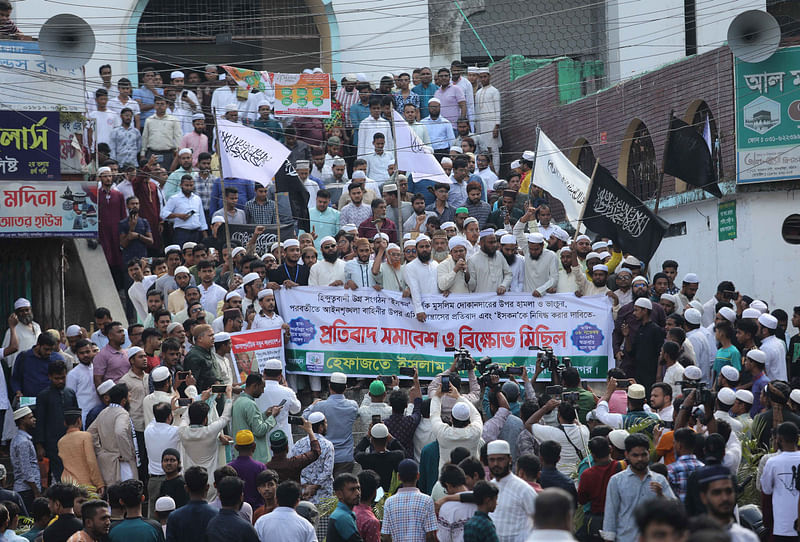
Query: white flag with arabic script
x,y
413,156
247,153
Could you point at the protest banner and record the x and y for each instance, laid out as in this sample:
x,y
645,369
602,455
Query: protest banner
x,y
364,333
29,145
47,209
252,349
296,94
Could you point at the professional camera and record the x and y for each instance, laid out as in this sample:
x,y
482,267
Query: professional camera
x,y
702,395
550,361
570,397
487,368
462,357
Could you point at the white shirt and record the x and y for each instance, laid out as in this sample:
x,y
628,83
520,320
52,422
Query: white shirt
x,y
262,321
776,481
550,535
378,166
422,436
81,380
273,394
700,345
672,376
367,129
421,280
452,518
577,434
667,413
138,294
180,204
116,105
450,437
157,438
516,503
248,109
774,348
517,274
488,274
103,123
211,296
736,425
566,282
359,272
487,110
324,273
284,523
469,95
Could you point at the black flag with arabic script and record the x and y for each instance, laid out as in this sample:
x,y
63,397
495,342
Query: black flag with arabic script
x,y
613,211
287,181
688,157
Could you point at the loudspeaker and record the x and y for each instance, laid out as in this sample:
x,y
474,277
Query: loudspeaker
x,y
754,36
66,41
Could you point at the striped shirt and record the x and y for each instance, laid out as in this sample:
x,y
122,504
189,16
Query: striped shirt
x,y
346,99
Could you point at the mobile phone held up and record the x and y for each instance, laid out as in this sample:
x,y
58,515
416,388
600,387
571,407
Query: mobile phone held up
x,y
296,420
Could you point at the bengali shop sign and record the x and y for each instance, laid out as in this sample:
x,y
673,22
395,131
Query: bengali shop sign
x,y
29,145
46,209
296,94
252,349
368,333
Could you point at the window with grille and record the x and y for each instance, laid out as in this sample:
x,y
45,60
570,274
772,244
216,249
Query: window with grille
x,y
642,171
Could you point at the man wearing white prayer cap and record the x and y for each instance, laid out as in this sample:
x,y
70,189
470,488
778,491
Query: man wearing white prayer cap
x,y
741,409
689,286
541,265
772,347
450,273
488,114
516,263
488,270
266,318
645,344
24,335
704,353
329,270
389,274
340,414
516,498
420,275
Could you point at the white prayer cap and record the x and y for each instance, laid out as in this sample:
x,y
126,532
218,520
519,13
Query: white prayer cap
x,y
302,164
291,243
693,316
561,234
267,256
231,295
229,108
406,236
317,70
236,251
633,261
434,101
165,504
667,297
173,326
691,278
728,313
497,447
726,396
307,71
218,220
508,240
470,220
338,161
500,233
473,69
349,228
692,372
327,239
21,303
250,277
795,396
316,417
730,372
359,175
751,313
603,255
73,330
170,248
768,321
392,246
362,77
483,70
380,235
198,116
422,238
642,302
133,350
537,239
592,255
264,293
695,304
176,75
455,148
182,269
515,164
760,305
22,412
582,237
530,156
410,243
350,77
599,245
617,438
460,412
745,396
486,233
105,386
104,169
448,224
565,249
159,374
338,378
379,430
457,242
639,278
446,161
222,337
758,356
273,365
185,150
189,244
622,270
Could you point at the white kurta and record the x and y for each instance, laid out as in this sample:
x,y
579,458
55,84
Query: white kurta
x,y
201,444
776,357
273,394
262,321
138,294
390,278
517,274
488,274
211,296
450,280
81,380
26,336
566,282
541,274
421,280
324,273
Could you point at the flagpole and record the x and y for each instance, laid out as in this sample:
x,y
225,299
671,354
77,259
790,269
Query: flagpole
x,y
222,185
533,170
394,180
585,201
278,214
663,160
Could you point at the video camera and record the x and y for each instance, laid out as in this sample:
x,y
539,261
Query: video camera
x,y
550,361
462,357
557,392
702,393
487,368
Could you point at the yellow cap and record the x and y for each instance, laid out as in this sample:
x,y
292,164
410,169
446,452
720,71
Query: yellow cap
x,y
244,438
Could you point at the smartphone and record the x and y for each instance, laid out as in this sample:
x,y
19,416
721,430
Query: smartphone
x,y
387,380
466,496
283,402
181,375
296,420
623,384
406,371
184,401
376,418
192,212
445,385
424,391
553,391
219,388
514,370
729,294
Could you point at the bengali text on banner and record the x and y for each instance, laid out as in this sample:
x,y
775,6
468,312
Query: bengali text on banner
x,y
367,333
252,349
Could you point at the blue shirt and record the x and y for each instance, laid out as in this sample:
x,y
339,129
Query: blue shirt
x,y
341,524
358,112
146,96
341,413
246,190
624,493
758,386
24,462
324,224
135,248
30,373
135,529
425,94
229,526
188,523
440,132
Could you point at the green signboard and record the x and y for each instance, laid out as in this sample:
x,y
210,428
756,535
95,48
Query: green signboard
x,y
726,219
768,118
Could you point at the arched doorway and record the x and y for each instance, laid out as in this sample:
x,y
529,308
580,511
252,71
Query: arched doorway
x,y
637,163
582,156
279,35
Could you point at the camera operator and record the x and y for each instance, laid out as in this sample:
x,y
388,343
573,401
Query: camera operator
x,y
587,401
466,428
515,393
661,401
570,434
503,425
455,382
638,409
